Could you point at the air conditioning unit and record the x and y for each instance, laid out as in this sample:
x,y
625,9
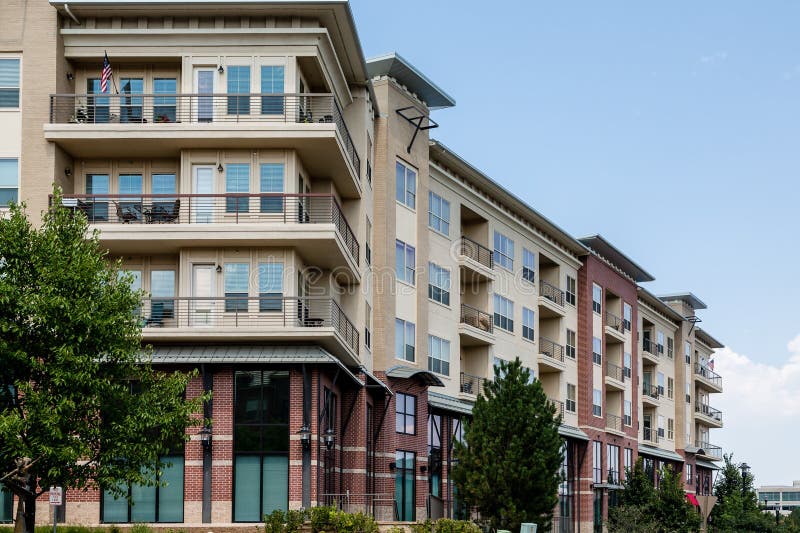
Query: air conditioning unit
x,y
527,528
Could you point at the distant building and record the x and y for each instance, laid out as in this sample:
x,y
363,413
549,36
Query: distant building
x,y
783,497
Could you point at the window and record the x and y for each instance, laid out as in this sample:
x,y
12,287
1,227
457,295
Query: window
x,y
438,355
163,184
628,459
162,291
597,461
627,418
271,181
660,383
570,404
368,243
369,161
503,313
404,334
688,392
97,106
237,180
439,284
527,323
130,184
130,108
164,106
270,286
236,282
772,496
689,477
405,262
597,402
404,485
627,313
660,341
260,444
238,84
97,184
572,290
687,352
438,213
597,351
597,298
6,504
571,343
670,388
670,347
405,413
528,265
272,83
368,328
9,179
612,458
626,364
405,185
503,251
661,426
9,83
670,429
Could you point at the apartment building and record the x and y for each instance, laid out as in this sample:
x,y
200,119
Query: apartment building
x,y
783,498
329,267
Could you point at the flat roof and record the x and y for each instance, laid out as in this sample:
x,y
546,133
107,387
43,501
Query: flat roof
x,y
686,297
615,255
396,66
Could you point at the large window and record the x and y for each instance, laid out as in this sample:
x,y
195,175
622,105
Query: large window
x,y
236,285
405,262
238,84
597,402
96,208
628,460
404,334
272,83
131,103
597,461
438,213
571,398
572,290
503,313
9,83
627,314
9,181
405,501
261,444
528,265
571,343
627,418
670,429
527,323
438,355
670,388
162,291
406,185
164,103
164,184
597,298
660,342
503,251
270,286
6,502
438,284
612,459
597,350
405,414
237,180
271,181
150,504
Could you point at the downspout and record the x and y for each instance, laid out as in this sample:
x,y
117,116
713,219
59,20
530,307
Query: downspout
x,y
69,13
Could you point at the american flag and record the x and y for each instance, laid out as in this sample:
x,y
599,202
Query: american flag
x,y
711,365
105,75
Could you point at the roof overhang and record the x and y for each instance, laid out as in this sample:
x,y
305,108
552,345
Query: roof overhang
x,y
656,303
442,402
706,464
669,455
395,66
707,339
615,255
686,297
373,382
407,372
571,432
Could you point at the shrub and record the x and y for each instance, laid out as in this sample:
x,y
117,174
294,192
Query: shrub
x,y
141,528
396,529
273,522
447,525
422,527
295,520
323,519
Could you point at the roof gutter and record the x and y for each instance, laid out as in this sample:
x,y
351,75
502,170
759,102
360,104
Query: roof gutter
x,y
73,17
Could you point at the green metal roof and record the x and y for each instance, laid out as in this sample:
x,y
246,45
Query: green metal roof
x,y
407,372
572,433
448,403
669,455
707,464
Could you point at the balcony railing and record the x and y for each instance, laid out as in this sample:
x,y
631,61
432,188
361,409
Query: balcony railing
x,y
477,252
708,411
650,347
614,371
476,318
650,391
231,208
709,449
559,407
161,110
471,384
614,322
708,374
267,312
551,292
650,435
613,422
551,349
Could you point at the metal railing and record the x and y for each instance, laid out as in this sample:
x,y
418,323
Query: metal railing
x,y
551,349
381,506
708,411
230,208
160,110
551,292
614,371
266,312
708,374
559,406
650,391
613,422
650,435
710,449
475,251
559,524
471,384
476,318
650,347
614,322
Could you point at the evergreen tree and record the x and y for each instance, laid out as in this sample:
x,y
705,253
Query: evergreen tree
x,y
508,467
672,510
737,508
635,511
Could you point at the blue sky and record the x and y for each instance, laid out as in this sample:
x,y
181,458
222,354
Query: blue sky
x,y
670,128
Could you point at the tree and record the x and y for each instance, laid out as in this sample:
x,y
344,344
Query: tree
x,y
737,507
673,511
80,407
509,465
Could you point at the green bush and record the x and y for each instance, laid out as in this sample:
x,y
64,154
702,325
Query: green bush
x,y
284,522
323,519
396,529
295,520
447,525
140,528
422,527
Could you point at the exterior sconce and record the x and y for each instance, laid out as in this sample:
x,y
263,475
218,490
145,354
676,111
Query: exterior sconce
x,y
219,271
68,172
328,438
392,467
423,469
221,69
70,76
305,436
205,438
219,168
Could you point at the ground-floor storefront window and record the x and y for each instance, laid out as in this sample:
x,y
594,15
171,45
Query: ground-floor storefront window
x,y
598,510
404,485
162,503
6,502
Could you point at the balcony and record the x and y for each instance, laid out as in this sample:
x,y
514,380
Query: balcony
x,y
649,352
551,356
615,331
314,224
267,318
475,327
708,415
650,394
475,260
559,405
615,377
551,300
614,423
471,384
708,450
707,378
160,125
650,435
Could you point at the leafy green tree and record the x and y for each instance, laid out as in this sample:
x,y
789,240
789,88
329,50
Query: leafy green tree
x,y
509,466
636,503
737,508
672,510
80,407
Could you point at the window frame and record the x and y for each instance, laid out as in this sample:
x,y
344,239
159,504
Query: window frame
x,y
503,304
571,291
404,414
597,305
597,350
409,198
438,286
434,341
528,265
570,405
14,194
270,297
627,316
236,301
627,413
409,330
528,314
13,87
503,251
401,262
440,219
571,347
597,408
627,361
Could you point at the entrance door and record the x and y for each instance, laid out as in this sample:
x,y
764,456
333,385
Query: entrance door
x,y
204,88
203,292
203,183
404,489
303,208
647,426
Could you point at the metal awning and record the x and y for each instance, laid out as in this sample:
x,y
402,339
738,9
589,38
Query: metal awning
x,y
448,403
692,449
227,354
406,372
374,382
707,464
571,432
661,454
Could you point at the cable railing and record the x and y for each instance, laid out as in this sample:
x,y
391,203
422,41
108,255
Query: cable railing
x,y
229,208
708,411
551,292
650,435
614,322
651,391
551,348
710,450
650,347
161,110
613,422
476,251
708,374
471,384
476,318
266,312
615,371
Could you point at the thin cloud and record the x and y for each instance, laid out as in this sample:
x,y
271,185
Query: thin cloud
x,y
715,57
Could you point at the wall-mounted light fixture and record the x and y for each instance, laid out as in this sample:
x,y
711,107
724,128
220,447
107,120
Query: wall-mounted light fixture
x,y
423,469
329,438
305,437
221,69
68,172
70,76
219,269
392,467
205,437
220,168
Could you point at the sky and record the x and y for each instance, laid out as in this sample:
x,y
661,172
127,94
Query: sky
x,y
671,129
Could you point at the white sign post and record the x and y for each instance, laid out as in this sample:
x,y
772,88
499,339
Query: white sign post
x,y
56,499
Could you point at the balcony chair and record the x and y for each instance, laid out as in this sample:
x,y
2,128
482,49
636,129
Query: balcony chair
x,y
165,212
